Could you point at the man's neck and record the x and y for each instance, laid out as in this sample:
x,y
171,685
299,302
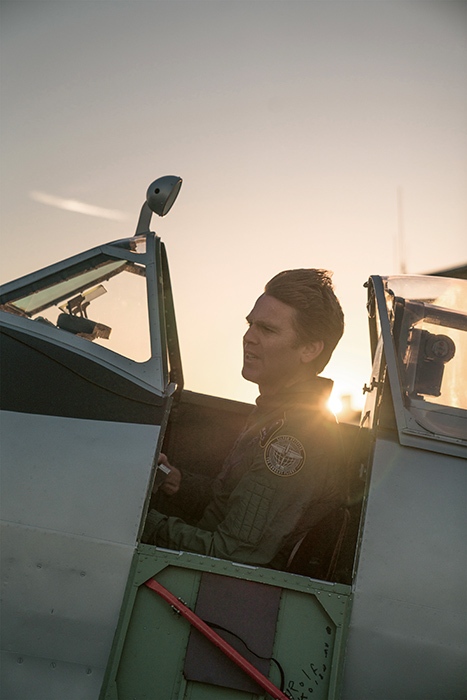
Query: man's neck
x,y
280,387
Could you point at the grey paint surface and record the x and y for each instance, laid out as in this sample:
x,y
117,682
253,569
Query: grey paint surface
x,y
72,504
408,635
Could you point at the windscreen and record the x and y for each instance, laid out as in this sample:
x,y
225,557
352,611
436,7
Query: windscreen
x,y
430,332
105,303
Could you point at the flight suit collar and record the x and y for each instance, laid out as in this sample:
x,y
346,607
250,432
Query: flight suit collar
x,y
313,392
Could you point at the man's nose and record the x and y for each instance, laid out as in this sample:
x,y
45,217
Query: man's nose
x,y
250,335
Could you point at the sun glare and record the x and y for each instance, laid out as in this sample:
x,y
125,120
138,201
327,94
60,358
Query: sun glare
x,y
335,404
345,405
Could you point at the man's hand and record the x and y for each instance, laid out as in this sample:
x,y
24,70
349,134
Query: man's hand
x,y
171,483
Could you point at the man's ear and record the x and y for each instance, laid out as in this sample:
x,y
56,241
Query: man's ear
x,y
311,351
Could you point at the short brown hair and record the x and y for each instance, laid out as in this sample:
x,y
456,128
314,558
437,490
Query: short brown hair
x,y
319,314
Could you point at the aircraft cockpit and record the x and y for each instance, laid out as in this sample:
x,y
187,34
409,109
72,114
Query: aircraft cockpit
x,y
92,393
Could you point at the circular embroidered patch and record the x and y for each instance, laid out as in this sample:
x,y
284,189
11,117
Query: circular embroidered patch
x,y
284,455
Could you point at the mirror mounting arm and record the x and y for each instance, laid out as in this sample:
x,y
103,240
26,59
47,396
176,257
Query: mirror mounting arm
x,y
144,220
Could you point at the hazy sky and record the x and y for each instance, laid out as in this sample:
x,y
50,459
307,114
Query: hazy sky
x,y
293,123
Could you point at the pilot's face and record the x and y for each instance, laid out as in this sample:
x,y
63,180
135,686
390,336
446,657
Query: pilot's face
x,y
273,355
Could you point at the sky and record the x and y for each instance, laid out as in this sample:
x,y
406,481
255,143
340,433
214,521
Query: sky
x,y
308,133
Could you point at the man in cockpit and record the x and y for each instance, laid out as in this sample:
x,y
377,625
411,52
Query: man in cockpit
x,y
285,471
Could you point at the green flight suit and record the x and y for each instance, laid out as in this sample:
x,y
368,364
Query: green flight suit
x,y
284,474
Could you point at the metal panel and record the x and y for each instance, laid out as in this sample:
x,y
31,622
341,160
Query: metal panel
x,y
248,610
82,477
29,678
408,636
62,594
73,494
149,650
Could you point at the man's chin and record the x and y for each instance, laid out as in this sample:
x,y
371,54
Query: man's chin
x,y
249,375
